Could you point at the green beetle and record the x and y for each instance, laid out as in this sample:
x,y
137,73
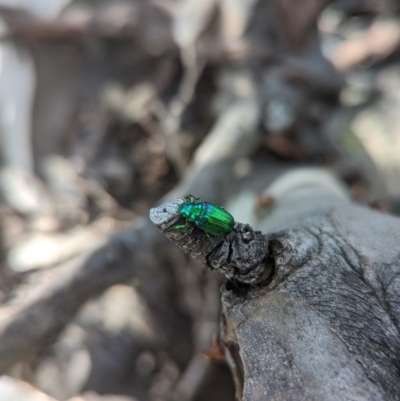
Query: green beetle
x,y
213,220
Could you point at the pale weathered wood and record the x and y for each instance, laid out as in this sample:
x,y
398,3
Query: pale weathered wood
x,y
311,309
327,325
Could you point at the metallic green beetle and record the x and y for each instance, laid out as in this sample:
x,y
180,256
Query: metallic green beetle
x,y
213,220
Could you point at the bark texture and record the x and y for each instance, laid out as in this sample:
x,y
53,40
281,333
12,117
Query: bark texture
x,y
326,326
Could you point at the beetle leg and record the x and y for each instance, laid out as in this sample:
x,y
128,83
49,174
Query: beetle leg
x,y
209,238
191,230
180,226
187,233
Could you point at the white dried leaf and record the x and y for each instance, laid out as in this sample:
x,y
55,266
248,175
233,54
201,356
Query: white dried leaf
x,y
235,15
17,86
39,8
16,390
191,20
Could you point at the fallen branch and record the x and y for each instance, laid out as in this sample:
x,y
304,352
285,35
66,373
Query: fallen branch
x,y
315,312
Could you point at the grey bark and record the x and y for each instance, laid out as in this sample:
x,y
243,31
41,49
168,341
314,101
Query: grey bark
x,y
323,323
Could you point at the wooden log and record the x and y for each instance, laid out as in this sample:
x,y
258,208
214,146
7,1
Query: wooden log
x,y
326,326
318,317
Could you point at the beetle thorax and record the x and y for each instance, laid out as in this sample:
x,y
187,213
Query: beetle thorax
x,y
191,211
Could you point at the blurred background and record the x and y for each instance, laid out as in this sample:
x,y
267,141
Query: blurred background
x,y
106,106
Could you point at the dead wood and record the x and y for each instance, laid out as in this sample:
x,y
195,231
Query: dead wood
x,y
319,317
126,93
327,325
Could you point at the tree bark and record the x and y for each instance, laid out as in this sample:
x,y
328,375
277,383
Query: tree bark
x,y
311,310
326,326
